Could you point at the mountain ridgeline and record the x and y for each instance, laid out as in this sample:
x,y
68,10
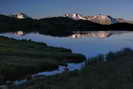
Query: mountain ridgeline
x,y
60,26
100,19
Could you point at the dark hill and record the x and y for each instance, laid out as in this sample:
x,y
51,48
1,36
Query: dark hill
x,y
65,26
59,26
121,26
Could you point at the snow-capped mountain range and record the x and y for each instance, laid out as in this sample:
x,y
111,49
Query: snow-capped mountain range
x,y
100,19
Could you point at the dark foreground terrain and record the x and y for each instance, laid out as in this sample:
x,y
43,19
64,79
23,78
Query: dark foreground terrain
x,y
21,58
116,73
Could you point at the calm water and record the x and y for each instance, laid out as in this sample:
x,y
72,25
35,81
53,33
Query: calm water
x,y
89,46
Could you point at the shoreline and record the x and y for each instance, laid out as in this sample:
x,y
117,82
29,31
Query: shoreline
x,y
23,51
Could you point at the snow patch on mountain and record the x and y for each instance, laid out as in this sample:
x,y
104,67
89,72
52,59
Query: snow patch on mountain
x,y
75,16
102,19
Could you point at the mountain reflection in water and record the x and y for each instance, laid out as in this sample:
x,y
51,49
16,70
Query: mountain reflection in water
x,y
98,34
90,45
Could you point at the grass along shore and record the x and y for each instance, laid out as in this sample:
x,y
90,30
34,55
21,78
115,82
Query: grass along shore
x,y
19,58
115,73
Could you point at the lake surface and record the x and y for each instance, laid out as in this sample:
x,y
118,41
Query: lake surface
x,y
91,44
95,43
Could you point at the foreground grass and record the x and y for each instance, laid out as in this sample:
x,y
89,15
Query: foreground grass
x,y
116,73
21,58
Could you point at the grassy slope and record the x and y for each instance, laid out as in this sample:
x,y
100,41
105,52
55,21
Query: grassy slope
x,y
117,73
20,58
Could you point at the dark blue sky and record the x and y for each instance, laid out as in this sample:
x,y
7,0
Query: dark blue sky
x,y
44,8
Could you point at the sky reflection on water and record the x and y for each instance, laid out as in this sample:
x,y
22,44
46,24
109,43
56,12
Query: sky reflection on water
x,y
88,46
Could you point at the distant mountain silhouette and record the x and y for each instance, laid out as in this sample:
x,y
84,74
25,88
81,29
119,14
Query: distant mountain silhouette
x,y
56,26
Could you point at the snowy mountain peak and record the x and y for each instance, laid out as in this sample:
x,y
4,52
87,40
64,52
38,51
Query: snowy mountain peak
x,y
75,16
102,19
21,16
